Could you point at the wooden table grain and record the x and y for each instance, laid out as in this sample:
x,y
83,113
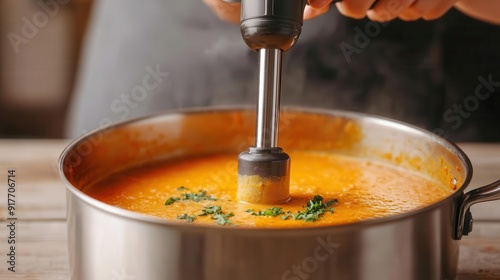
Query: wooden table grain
x,y
41,251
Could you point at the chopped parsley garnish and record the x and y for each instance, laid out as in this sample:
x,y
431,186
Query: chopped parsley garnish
x,y
220,217
186,217
210,210
196,197
272,212
171,200
314,209
223,219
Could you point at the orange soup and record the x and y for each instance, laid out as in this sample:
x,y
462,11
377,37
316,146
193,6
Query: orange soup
x,y
325,189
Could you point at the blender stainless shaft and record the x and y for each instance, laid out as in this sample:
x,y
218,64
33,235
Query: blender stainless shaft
x,y
268,106
269,27
264,170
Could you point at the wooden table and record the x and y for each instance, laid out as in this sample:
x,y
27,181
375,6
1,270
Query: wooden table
x,y
41,212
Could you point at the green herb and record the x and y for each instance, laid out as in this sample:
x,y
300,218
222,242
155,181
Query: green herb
x,y
286,216
272,212
196,197
171,200
182,188
314,209
210,210
186,217
220,217
331,202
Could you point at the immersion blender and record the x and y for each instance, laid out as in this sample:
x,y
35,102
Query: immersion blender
x,y
269,27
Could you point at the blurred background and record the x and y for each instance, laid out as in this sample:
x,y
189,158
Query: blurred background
x,y
41,44
39,51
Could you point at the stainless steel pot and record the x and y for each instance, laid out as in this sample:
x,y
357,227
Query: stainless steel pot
x,y
106,242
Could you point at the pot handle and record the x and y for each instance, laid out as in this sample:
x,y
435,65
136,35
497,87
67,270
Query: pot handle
x,y
482,194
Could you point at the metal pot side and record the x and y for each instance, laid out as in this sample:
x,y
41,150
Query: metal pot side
x,y
110,243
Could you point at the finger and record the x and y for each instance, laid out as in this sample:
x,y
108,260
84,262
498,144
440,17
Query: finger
x,y
409,16
310,13
319,4
427,9
439,9
354,8
418,9
386,10
229,12
422,7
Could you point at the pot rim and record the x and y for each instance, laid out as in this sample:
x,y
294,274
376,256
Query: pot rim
x,y
101,206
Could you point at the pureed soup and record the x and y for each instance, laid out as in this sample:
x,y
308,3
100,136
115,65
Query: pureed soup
x,y
325,189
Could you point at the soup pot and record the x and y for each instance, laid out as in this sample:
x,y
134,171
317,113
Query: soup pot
x,y
106,242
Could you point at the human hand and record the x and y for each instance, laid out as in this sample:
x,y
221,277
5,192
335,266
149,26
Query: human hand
x,y
386,10
383,10
409,10
229,12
